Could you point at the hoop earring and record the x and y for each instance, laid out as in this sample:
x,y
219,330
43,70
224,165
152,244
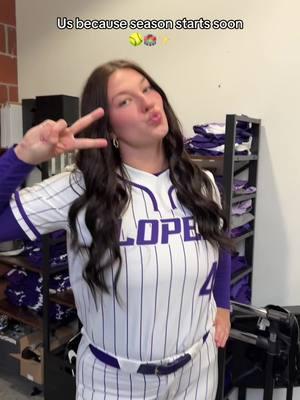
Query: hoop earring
x,y
115,143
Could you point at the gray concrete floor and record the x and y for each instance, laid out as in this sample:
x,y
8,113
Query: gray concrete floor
x,y
16,388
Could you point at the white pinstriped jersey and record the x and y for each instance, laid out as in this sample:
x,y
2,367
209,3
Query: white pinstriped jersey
x,y
166,277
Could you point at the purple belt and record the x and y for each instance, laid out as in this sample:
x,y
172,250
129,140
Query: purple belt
x,y
146,368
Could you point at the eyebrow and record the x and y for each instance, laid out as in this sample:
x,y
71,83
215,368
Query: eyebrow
x,y
125,91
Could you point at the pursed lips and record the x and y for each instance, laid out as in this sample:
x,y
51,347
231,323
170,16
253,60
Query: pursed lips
x,y
155,117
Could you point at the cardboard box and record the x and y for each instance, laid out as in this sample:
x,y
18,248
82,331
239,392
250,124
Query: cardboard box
x,y
10,343
31,369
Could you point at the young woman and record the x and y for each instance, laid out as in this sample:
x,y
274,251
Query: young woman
x,y
147,245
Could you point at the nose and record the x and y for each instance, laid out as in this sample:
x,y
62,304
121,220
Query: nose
x,y
146,103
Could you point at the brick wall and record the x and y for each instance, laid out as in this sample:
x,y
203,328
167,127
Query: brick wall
x,y
8,52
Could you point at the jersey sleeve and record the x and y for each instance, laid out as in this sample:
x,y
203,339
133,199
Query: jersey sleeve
x,y
12,230
221,288
44,207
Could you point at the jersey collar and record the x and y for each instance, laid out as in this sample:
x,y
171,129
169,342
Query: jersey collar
x,y
143,178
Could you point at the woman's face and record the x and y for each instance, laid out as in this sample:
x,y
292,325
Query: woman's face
x,y
136,110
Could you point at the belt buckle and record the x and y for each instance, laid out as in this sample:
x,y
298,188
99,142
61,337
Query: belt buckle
x,y
162,369
156,371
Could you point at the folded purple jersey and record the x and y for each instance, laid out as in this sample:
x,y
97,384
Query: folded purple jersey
x,y
206,152
246,190
241,230
59,283
241,220
242,187
191,149
202,140
34,301
21,296
35,256
16,277
25,290
242,207
15,297
212,128
238,263
197,144
59,312
243,132
241,291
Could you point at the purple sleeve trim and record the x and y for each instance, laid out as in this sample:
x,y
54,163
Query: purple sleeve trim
x,y
12,174
17,159
26,219
222,282
12,157
12,229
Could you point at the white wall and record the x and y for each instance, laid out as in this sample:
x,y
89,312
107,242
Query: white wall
x,y
206,74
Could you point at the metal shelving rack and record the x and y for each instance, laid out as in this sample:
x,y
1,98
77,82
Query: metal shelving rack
x,y
230,166
58,383
233,166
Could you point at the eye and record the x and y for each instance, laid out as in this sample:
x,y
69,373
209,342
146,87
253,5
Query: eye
x,y
147,89
124,102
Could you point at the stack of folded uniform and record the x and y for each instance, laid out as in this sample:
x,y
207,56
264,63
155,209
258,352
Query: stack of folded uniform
x,y
241,212
58,251
209,140
240,291
25,289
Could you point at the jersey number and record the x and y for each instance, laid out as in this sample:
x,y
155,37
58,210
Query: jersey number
x,y
208,284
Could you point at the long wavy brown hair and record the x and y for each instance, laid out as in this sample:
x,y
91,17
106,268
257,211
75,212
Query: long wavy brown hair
x,y
106,195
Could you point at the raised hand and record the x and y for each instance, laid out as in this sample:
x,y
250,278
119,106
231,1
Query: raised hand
x,y
50,139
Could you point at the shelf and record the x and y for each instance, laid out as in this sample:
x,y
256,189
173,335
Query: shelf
x,y
212,159
242,197
244,118
240,274
215,164
206,158
66,298
21,261
245,236
61,268
251,157
20,314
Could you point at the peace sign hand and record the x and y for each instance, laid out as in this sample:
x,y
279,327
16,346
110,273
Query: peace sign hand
x,y
50,139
